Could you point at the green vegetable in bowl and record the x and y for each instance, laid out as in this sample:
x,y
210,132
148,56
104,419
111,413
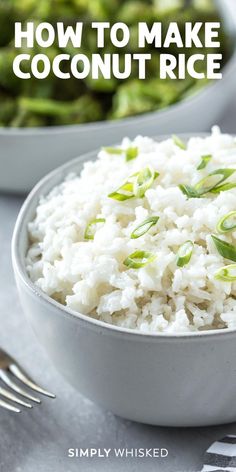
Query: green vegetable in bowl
x,y
82,110
50,102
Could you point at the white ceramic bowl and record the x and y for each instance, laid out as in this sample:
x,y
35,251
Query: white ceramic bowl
x,y
171,380
32,152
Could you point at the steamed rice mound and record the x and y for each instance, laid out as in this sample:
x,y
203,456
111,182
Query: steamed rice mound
x,y
89,276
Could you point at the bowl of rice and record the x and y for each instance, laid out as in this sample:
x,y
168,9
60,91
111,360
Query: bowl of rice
x,y
125,262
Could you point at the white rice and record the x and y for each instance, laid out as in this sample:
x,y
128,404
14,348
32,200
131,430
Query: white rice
x,y
89,276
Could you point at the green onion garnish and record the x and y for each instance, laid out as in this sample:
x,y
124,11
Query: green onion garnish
x,y
178,142
130,153
144,227
224,187
211,183
113,150
143,181
226,273
204,161
91,228
227,223
136,186
184,253
189,191
139,259
125,192
212,180
226,250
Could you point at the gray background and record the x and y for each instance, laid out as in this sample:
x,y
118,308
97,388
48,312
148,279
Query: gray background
x,y
39,439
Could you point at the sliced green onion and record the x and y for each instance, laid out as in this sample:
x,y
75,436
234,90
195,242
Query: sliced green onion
x,y
226,250
144,227
143,181
139,259
136,186
224,187
178,142
189,191
226,273
184,253
125,192
204,161
227,223
211,181
130,153
91,228
113,150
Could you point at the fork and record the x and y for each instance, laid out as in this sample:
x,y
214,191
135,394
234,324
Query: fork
x,y
10,368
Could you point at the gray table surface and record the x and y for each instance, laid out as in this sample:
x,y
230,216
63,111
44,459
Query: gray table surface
x,y
38,440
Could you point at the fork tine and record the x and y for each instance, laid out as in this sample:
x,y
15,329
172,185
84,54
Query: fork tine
x,y
7,380
10,396
7,406
15,370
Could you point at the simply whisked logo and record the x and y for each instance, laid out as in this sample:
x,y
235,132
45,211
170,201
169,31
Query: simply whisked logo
x,y
123,453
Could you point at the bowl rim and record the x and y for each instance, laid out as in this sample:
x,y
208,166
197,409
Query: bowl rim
x,y
92,125
110,124
20,269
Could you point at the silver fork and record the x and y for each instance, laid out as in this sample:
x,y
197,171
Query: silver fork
x,y
10,368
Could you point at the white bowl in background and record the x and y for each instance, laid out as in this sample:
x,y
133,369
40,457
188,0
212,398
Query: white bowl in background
x,y
169,380
28,154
